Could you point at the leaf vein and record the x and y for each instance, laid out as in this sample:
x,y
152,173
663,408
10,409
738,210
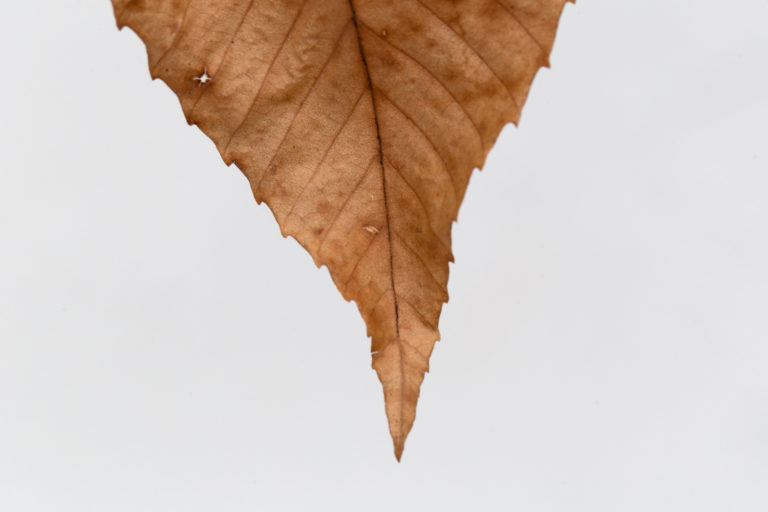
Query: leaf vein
x,y
517,19
344,205
421,203
474,50
426,137
298,109
378,301
224,57
424,319
435,77
415,349
173,41
381,163
360,259
266,77
325,155
418,256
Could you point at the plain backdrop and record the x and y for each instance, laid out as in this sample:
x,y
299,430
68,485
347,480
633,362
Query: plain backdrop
x,y
605,347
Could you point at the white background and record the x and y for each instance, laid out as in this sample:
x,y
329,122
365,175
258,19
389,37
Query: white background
x,y
163,348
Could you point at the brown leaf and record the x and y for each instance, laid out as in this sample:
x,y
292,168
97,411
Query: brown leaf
x,y
359,123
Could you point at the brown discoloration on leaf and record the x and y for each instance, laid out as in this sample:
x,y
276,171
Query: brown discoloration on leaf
x,y
359,123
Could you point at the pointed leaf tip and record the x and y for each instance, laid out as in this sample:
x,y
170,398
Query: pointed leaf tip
x,y
399,447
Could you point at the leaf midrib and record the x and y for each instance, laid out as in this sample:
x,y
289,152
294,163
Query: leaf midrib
x,y
388,220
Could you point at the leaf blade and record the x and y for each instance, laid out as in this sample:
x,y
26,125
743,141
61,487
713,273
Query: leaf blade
x,y
359,123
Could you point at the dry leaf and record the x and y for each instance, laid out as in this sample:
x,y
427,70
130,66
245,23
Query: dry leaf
x,y
359,123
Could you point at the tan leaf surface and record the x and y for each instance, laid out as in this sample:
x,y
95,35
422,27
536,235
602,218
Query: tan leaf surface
x,y
359,123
